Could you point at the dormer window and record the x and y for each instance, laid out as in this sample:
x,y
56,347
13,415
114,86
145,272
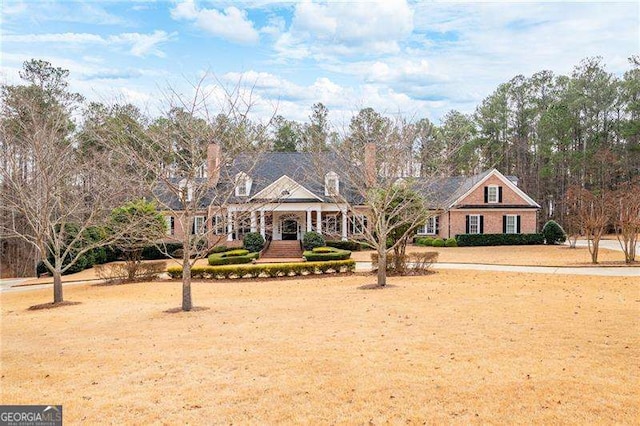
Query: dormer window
x,y
186,190
201,172
331,184
243,185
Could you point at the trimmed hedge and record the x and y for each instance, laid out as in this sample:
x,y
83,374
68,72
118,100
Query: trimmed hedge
x,y
232,257
438,242
323,254
271,270
451,242
348,245
218,249
469,240
424,241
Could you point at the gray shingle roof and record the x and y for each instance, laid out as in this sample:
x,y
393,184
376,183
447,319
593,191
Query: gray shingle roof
x,y
309,170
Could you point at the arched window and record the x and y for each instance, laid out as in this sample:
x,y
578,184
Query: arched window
x,y
331,184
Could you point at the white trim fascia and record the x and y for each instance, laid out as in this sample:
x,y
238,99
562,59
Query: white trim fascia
x,y
507,182
269,187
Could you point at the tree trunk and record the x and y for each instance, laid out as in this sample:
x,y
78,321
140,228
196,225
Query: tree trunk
x,y
382,267
57,286
593,249
186,285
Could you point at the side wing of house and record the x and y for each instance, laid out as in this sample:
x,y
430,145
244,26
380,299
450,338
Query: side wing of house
x,y
493,205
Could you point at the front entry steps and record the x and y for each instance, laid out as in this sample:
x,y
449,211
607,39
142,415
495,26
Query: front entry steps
x,y
282,251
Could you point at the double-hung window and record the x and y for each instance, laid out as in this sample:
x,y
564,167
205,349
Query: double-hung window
x,y
431,227
492,194
511,221
474,224
198,225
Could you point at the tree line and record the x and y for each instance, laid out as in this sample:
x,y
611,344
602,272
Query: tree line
x,y
69,162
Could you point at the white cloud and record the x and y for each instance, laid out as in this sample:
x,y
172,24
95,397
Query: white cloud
x,y
230,24
347,28
144,44
138,44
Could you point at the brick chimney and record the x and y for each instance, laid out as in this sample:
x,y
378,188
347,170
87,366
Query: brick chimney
x,y
370,171
213,163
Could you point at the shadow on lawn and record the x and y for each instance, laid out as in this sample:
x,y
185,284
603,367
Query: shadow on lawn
x,y
51,305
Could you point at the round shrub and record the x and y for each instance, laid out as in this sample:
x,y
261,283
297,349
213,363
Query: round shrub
x,y
451,242
253,241
425,241
553,233
311,240
438,242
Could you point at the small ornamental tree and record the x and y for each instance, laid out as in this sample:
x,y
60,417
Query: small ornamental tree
x,y
553,233
626,219
139,224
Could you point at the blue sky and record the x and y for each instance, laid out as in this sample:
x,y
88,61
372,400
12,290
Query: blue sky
x,y
419,59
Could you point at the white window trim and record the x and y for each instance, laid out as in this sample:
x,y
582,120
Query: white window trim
x,y
199,224
168,220
331,224
328,178
431,223
497,195
514,224
477,224
243,190
358,224
218,224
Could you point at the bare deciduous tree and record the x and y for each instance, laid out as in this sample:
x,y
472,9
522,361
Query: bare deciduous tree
x,y
591,211
185,161
381,186
626,218
57,193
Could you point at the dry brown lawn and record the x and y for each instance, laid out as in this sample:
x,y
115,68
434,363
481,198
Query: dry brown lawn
x,y
516,255
452,347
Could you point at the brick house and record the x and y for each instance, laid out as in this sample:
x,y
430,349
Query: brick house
x,y
278,198
486,203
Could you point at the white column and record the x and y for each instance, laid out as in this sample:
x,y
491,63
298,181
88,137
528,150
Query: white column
x,y
319,227
344,225
308,220
229,225
254,221
263,230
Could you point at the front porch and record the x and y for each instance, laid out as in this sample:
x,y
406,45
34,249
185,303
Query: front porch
x,y
287,221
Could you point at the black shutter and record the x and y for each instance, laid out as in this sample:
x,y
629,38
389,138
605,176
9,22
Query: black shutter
x,y
437,219
193,226
481,224
486,194
172,226
499,194
504,224
467,225
518,224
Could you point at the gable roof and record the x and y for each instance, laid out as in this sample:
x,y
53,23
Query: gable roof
x,y
476,181
294,191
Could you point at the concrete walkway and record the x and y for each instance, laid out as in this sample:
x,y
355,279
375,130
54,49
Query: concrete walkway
x,y
617,271
607,244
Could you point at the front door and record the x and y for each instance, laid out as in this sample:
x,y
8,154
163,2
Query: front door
x,y
289,229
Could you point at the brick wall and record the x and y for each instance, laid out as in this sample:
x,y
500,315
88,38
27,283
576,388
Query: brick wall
x,y
492,221
509,196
